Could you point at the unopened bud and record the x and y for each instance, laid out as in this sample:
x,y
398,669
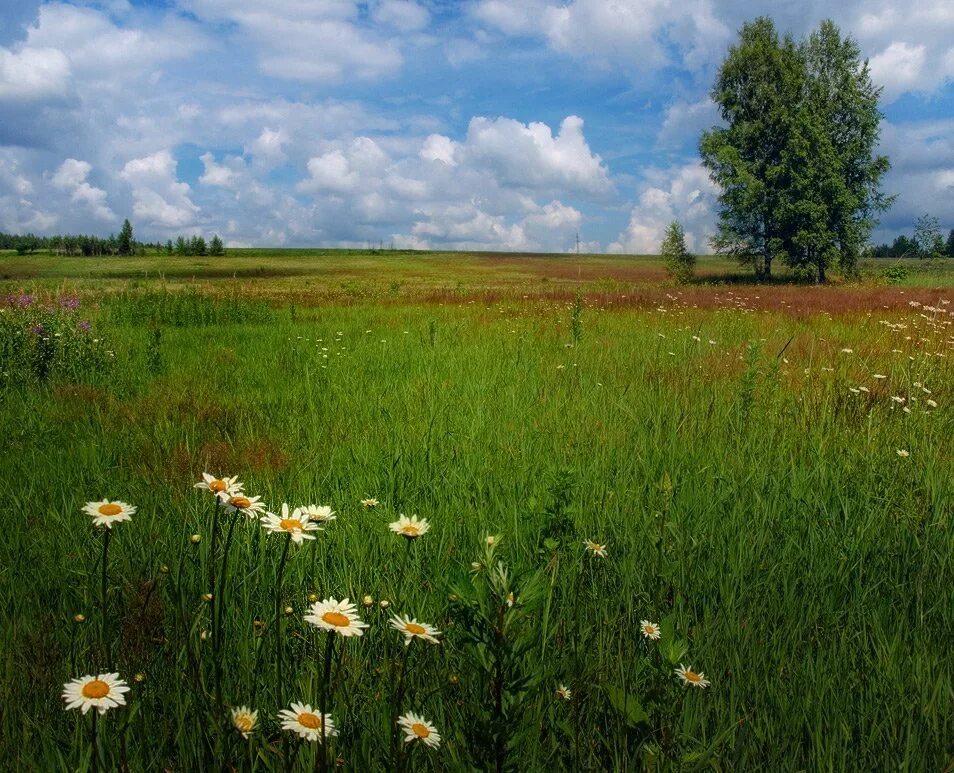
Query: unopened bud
x,y
79,618
196,539
367,601
384,603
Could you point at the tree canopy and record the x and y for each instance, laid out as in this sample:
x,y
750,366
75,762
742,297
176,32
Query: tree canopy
x,y
796,158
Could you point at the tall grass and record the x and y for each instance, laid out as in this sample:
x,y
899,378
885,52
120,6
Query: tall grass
x,y
750,501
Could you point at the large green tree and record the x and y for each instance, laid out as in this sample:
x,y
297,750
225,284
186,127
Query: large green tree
x,y
796,158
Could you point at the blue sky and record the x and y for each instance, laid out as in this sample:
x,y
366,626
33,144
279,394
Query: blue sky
x,y
479,124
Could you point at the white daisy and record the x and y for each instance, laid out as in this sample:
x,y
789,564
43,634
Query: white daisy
x,y
903,453
318,513
103,692
336,616
690,677
242,503
650,630
595,548
244,720
370,502
411,528
216,486
106,513
296,525
415,630
303,719
564,692
416,728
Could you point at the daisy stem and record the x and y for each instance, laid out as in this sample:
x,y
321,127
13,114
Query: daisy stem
x,y
325,682
219,598
94,766
278,619
104,614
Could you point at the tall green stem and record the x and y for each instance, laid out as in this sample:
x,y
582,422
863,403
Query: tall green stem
x,y
278,620
323,703
219,600
104,630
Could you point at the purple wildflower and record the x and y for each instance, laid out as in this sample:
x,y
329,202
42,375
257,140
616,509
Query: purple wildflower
x,y
85,325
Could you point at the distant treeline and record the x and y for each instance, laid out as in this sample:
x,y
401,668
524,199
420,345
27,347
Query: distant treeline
x,y
906,247
95,246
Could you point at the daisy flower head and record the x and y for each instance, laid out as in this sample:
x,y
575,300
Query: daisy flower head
x,y
106,513
691,678
318,513
244,720
337,617
102,692
416,728
415,630
595,548
410,528
370,503
564,692
296,524
903,453
253,507
650,630
305,721
218,486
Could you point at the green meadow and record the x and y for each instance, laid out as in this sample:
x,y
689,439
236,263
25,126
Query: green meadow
x,y
768,468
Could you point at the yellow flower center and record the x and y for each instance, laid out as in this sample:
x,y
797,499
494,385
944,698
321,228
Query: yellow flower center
x,y
217,485
311,721
650,629
240,502
290,524
692,676
95,689
337,619
410,531
420,730
414,628
243,722
110,509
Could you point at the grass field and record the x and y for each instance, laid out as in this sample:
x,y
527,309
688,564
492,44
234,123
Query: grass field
x,y
769,467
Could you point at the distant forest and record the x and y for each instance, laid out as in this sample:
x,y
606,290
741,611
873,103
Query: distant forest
x,y
95,246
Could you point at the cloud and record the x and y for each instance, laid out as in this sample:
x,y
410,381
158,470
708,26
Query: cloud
x,y
403,15
639,36
319,41
33,73
71,177
528,155
439,148
159,199
685,194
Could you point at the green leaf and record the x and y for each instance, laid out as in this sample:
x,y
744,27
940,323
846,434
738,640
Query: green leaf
x,y
627,705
